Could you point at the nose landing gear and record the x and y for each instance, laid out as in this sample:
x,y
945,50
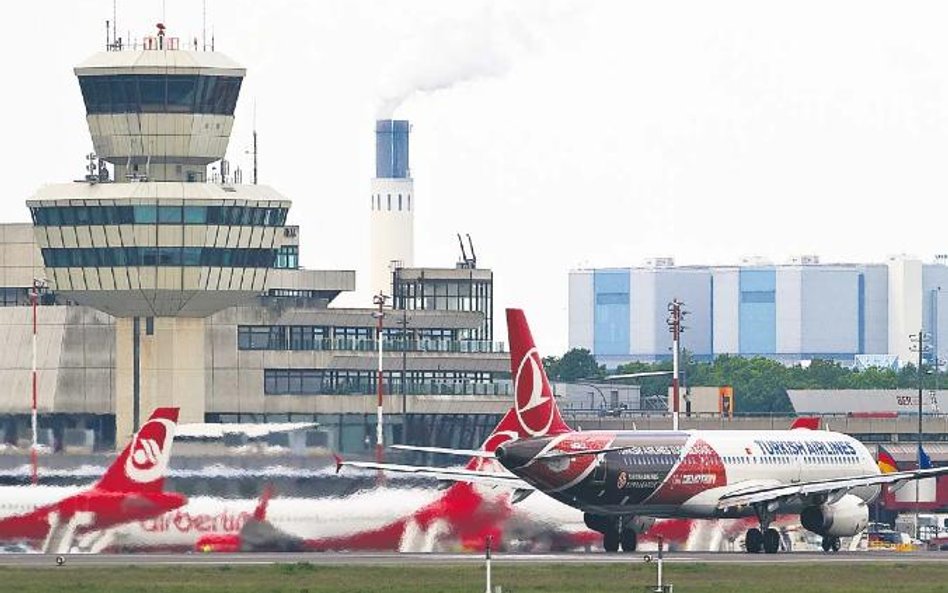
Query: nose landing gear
x,y
831,543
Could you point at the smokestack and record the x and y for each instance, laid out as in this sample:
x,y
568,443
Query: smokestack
x,y
392,204
391,149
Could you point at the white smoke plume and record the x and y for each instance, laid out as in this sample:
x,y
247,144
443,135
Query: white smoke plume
x,y
447,50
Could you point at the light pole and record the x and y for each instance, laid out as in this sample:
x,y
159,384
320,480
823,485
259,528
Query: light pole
x,y
920,344
675,317
379,315
38,284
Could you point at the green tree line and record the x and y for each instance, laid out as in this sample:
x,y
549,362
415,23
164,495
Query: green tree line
x,y
760,384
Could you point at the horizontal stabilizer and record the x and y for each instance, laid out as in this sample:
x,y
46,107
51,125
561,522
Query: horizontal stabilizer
x,y
443,450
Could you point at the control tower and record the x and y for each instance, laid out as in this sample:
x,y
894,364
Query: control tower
x,y
392,205
162,245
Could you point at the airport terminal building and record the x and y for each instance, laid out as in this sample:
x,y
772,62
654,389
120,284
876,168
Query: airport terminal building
x,y
158,284
803,310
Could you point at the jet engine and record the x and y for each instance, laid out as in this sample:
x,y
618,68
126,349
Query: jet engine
x,y
844,518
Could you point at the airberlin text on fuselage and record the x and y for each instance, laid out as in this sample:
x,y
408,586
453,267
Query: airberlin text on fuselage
x,y
806,447
185,522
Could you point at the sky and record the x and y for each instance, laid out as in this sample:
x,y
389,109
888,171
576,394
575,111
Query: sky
x,y
559,134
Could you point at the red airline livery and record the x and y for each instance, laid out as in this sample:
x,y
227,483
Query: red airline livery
x,y
623,480
57,519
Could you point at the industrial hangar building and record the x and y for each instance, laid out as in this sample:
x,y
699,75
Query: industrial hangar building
x,y
862,313
159,284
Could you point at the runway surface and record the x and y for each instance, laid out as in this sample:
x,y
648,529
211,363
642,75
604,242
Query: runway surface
x,y
393,559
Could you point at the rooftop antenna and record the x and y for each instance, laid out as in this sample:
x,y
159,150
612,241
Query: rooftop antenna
x,y
107,36
464,259
114,23
473,255
204,25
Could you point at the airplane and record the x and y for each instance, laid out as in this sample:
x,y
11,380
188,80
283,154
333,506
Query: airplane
x,y
386,518
54,518
622,479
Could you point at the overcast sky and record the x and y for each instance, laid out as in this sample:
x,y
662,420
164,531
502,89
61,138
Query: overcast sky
x,y
558,134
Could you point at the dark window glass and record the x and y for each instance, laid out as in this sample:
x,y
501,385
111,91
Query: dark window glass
x,y
103,94
82,215
246,216
170,214
169,256
68,215
149,256
181,91
195,214
191,256
258,216
53,216
87,85
152,94
97,214
213,215
120,102
146,214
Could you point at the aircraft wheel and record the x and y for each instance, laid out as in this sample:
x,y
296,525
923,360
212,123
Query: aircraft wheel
x,y
60,560
771,541
610,541
629,540
831,543
753,541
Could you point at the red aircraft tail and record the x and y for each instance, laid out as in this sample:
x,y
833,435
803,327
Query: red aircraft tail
x,y
536,411
142,466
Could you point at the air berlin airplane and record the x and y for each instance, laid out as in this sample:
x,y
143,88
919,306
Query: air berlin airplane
x,y
407,520
53,518
622,480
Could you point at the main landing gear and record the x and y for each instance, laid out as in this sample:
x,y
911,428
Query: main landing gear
x,y
766,538
831,543
615,531
757,541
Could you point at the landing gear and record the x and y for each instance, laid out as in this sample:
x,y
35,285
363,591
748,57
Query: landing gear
x,y
753,541
771,541
831,543
616,532
629,540
610,541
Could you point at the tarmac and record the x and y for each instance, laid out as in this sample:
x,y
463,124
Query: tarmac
x,y
392,559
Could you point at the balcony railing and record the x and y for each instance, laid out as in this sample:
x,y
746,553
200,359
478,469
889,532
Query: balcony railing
x,y
366,345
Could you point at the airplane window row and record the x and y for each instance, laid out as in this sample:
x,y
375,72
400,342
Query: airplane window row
x,y
782,459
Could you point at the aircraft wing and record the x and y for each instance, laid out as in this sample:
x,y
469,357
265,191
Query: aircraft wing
x,y
833,488
452,474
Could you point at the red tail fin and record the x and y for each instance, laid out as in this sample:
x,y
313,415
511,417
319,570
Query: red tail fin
x,y
536,410
810,422
141,467
260,513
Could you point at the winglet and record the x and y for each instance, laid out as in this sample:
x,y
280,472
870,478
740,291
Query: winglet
x,y
807,422
338,460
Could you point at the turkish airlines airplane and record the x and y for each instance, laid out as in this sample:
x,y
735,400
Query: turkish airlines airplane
x,y
54,518
623,479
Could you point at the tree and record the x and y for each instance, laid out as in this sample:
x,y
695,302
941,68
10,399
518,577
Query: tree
x,y
578,363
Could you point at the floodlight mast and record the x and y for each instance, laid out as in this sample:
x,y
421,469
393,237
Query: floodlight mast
x,y
676,314
379,315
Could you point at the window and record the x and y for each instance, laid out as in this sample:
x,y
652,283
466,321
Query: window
x,y
155,256
390,202
409,202
170,214
287,257
399,202
160,94
146,214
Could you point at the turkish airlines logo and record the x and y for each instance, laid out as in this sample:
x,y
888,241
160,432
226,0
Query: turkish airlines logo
x,y
148,458
534,401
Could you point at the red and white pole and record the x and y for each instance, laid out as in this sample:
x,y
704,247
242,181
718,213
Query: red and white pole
x,y
33,448
379,300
